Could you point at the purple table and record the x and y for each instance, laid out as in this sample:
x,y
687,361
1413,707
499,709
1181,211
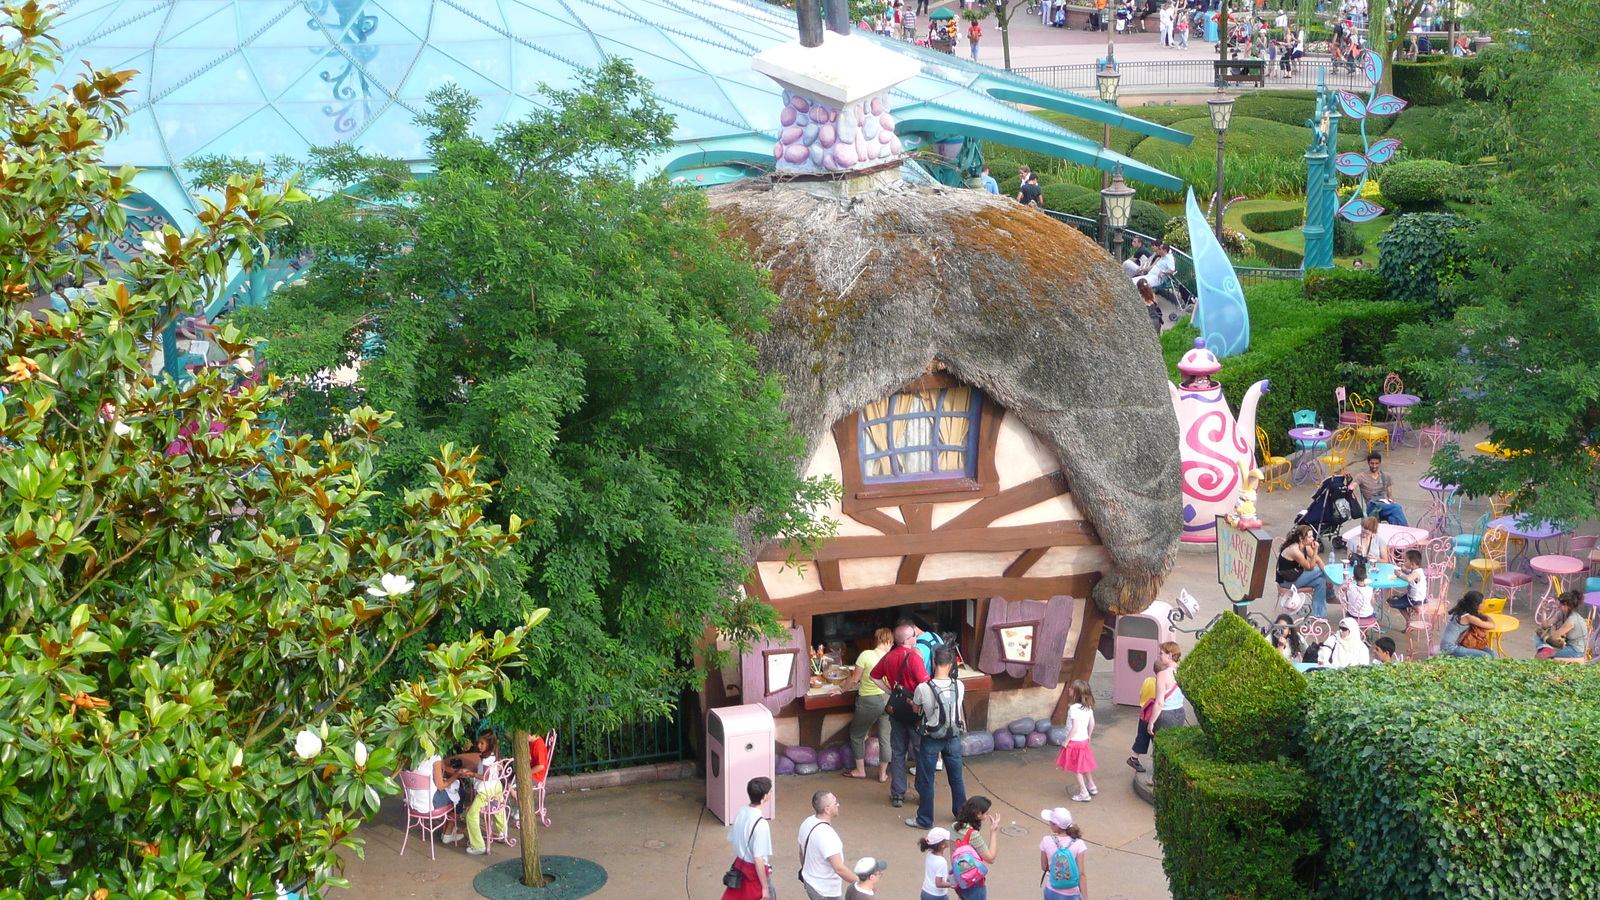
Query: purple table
x,y
1445,509
1306,467
1534,533
1397,404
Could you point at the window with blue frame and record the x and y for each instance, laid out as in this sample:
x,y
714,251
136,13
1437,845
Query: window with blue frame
x,y
921,435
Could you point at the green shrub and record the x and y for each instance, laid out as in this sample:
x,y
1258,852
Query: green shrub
x,y
1233,830
1420,251
1285,107
1418,185
1345,286
1245,695
1274,219
1146,218
1176,233
1298,346
1432,81
1001,168
1058,195
1346,238
1456,778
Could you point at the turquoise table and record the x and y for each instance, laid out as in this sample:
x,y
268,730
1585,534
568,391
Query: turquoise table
x,y
1382,576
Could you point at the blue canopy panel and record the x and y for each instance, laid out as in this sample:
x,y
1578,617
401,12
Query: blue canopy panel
x,y
265,78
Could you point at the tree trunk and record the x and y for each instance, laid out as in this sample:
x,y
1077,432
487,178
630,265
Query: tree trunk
x,y
1378,42
532,873
1002,15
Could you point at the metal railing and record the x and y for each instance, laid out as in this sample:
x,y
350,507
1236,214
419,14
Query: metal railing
x,y
1252,273
1184,74
1185,270
582,747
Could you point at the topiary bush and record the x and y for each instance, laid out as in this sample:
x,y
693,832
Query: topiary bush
x,y
1419,185
1233,830
1346,239
1057,196
1420,251
1274,219
1431,81
1456,778
1245,695
1344,286
1146,218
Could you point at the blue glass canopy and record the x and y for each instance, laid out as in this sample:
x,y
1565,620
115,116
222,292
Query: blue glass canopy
x,y
255,79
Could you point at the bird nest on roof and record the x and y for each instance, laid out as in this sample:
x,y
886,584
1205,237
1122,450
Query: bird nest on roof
x,y
879,288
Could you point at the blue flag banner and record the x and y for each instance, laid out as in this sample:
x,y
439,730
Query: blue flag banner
x,y
1220,311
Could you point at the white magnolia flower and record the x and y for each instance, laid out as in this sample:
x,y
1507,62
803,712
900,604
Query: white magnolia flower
x,y
245,365
392,586
307,745
360,755
122,429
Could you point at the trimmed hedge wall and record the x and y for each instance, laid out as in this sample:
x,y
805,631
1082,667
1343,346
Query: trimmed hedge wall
x,y
1298,346
1453,778
1344,286
1230,830
1246,696
1294,108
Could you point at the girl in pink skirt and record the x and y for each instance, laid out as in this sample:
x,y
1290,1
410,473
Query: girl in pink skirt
x,y
1075,755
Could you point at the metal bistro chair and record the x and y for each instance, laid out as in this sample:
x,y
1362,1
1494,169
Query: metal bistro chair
x,y
1368,432
500,805
1491,558
1393,385
541,754
1467,544
1348,418
1275,468
430,822
1335,460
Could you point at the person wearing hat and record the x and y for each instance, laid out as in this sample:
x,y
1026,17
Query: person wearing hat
x,y
1064,835
936,883
870,872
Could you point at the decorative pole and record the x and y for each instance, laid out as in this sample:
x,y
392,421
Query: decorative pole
x,y
1322,191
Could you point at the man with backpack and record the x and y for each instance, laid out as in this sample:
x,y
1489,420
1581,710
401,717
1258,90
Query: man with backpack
x,y
899,673
940,701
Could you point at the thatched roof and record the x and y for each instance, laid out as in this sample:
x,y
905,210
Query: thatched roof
x,y
881,287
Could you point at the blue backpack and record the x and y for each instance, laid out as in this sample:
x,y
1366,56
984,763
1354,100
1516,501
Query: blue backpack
x,y
1063,868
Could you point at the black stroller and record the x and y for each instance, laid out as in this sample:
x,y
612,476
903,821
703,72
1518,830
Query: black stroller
x,y
1333,505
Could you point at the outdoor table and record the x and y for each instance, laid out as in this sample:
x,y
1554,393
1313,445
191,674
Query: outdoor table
x,y
1306,467
1492,449
1592,600
1445,508
1503,625
1535,533
1381,576
1397,404
1554,567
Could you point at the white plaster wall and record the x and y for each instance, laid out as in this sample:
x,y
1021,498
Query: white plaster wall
x,y
1056,509
861,573
825,462
939,566
1071,561
944,512
1018,456
783,580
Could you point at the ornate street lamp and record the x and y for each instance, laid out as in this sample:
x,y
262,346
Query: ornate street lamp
x,y
1116,200
1221,117
1106,79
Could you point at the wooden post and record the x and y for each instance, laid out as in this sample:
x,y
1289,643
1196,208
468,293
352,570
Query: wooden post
x,y
1083,656
532,873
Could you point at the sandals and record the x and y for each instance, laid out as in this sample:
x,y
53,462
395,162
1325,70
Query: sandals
x,y
1081,798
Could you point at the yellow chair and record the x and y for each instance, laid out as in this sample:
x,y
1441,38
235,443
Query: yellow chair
x,y
1493,605
1492,560
1275,468
1366,432
1338,455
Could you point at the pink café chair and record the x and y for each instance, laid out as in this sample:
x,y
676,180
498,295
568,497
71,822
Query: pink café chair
x,y
430,822
500,804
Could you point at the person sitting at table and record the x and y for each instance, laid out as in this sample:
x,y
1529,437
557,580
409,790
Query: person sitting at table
x,y
1345,648
1465,616
1356,596
1368,547
1565,639
1416,590
1286,638
1300,565
1384,651
1377,492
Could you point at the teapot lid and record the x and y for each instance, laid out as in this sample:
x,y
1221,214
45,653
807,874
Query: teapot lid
x,y
1199,361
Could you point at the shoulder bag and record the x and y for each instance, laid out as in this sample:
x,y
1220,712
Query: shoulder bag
x,y
1476,637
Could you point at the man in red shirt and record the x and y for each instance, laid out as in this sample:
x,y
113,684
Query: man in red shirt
x,y
900,667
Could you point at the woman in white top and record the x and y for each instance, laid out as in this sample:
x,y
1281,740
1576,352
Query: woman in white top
x,y
446,791
1346,648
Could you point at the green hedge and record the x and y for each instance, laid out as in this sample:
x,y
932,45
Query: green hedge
x,y
1294,108
1298,346
1063,193
1427,82
1146,218
1424,132
1246,696
1233,830
1456,778
1344,286
1419,185
1274,219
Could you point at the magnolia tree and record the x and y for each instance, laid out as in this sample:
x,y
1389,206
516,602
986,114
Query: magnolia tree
x,y
191,607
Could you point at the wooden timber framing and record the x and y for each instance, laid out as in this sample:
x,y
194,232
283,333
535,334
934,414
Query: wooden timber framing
x,y
1072,533
819,602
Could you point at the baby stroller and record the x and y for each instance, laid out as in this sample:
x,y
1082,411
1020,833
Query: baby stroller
x,y
1331,507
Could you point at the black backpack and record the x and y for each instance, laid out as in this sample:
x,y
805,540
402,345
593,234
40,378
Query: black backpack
x,y
899,707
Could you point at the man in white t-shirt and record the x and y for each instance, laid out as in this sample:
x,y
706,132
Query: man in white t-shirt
x,y
940,700
751,836
822,868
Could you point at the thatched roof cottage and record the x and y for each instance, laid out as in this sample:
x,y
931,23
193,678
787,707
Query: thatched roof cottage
x,y
985,384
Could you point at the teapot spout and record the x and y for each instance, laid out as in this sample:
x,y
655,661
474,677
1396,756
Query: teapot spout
x,y
1247,412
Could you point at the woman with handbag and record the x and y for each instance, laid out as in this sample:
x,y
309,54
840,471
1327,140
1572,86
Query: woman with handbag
x,y
1565,639
1165,708
750,876
1466,632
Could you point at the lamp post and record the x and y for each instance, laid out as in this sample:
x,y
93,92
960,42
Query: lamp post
x,y
1221,107
1106,79
1116,202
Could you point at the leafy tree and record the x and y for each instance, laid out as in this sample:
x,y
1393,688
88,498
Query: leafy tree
x,y
1522,355
192,611
594,336
1420,251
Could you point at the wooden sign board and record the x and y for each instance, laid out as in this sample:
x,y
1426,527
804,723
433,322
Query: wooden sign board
x,y
1243,557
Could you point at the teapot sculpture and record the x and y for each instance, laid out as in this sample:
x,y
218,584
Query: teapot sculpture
x,y
1213,448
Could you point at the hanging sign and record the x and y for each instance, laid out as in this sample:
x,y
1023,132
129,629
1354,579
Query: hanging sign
x,y
1242,559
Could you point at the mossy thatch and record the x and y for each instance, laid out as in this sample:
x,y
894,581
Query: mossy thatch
x,y
882,287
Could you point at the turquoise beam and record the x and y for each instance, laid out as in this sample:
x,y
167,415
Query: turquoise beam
x,y
1093,110
1061,144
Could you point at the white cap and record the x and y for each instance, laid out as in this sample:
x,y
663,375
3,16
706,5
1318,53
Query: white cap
x,y
1060,817
866,865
